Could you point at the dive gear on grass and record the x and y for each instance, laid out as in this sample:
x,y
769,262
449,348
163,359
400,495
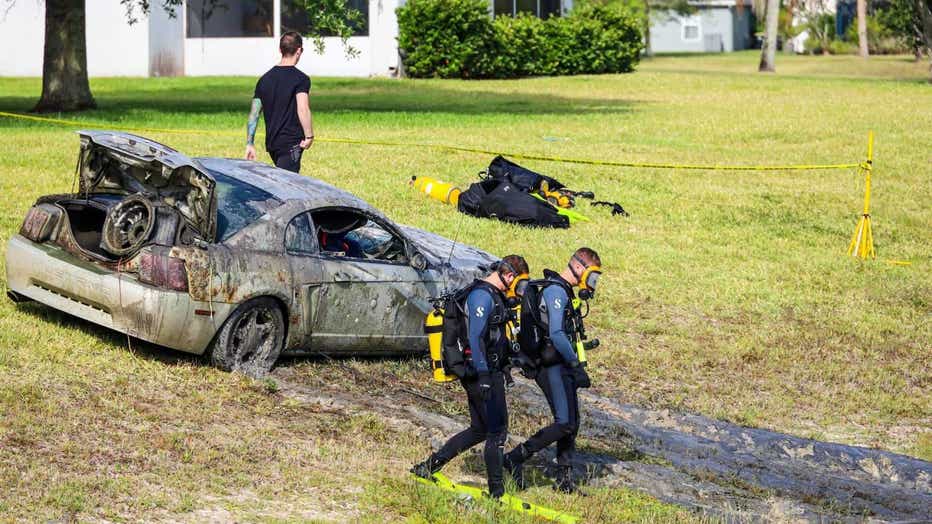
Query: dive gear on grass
x,y
440,191
500,199
615,206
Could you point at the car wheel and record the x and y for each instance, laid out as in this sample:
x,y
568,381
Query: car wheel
x,y
251,338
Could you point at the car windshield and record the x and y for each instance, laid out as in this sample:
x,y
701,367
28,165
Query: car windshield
x,y
239,204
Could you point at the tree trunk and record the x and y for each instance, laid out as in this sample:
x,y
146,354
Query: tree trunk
x,y
64,68
769,50
862,29
648,50
923,12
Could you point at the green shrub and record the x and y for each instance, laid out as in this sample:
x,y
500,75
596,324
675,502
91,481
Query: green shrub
x,y
840,47
458,38
445,38
880,39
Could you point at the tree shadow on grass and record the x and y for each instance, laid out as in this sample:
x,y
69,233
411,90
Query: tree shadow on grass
x,y
118,98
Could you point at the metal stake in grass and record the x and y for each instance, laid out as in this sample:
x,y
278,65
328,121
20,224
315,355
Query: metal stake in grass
x,y
862,242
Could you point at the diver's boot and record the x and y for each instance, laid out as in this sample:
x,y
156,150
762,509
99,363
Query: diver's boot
x,y
564,481
515,468
427,468
496,489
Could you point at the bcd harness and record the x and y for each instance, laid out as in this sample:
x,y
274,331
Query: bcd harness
x,y
536,348
447,327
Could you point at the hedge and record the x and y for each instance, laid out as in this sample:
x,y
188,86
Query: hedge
x,y
459,39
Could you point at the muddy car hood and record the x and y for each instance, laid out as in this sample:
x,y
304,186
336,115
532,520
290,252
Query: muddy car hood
x,y
468,261
117,162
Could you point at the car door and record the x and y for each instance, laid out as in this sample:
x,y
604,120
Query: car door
x,y
370,298
307,278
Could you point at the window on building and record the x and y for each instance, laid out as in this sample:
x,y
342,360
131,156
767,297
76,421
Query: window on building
x,y
294,17
229,18
540,8
691,29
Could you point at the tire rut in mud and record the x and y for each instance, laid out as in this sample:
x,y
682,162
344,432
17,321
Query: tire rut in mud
x,y
714,467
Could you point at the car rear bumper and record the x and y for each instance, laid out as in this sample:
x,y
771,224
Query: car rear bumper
x,y
50,275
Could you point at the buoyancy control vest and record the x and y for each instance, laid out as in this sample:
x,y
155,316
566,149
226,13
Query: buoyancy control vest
x,y
456,352
534,336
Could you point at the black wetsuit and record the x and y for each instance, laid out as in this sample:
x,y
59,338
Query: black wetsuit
x,y
488,417
557,379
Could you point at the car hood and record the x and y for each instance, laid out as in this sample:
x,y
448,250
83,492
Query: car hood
x,y
117,162
463,261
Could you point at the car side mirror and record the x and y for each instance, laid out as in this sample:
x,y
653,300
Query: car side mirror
x,y
418,261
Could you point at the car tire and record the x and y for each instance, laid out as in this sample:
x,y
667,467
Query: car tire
x,y
250,340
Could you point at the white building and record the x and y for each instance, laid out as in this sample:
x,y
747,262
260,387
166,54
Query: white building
x,y
240,38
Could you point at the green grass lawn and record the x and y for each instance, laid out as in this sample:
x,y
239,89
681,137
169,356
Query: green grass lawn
x,y
726,293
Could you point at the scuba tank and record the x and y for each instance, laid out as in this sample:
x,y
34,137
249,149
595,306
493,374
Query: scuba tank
x,y
441,191
433,327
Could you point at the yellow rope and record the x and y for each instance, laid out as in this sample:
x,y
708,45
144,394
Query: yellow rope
x,y
523,156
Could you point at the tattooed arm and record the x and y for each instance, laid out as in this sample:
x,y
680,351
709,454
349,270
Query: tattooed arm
x,y
251,125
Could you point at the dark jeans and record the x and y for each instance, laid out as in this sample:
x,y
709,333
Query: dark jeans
x,y
488,421
559,387
288,159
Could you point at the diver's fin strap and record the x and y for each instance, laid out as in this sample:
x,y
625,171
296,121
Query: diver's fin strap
x,y
509,501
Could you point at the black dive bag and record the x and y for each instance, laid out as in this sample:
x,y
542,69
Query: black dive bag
x,y
498,198
523,178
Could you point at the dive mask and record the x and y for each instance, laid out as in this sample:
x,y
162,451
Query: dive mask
x,y
518,286
589,278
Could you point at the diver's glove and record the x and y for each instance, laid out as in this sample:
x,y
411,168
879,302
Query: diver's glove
x,y
580,376
485,385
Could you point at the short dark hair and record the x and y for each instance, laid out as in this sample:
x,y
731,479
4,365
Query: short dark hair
x,y
588,256
290,43
516,262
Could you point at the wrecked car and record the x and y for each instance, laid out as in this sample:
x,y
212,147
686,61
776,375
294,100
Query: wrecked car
x,y
231,258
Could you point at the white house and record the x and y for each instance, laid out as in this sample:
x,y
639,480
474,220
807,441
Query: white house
x,y
240,38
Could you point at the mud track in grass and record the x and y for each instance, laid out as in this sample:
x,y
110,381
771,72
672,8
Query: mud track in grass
x,y
713,467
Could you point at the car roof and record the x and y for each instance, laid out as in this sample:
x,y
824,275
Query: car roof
x,y
285,185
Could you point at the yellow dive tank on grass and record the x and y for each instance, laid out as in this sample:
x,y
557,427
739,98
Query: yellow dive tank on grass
x,y
433,328
441,191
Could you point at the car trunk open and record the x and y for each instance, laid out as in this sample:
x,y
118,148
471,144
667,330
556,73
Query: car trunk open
x,y
132,193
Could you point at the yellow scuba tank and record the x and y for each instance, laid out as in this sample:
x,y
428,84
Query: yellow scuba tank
x,y
433,327
441,191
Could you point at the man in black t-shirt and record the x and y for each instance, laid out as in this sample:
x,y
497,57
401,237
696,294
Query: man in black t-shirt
x,y
282,97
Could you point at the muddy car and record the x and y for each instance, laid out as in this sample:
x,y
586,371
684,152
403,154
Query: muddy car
x,y
235,259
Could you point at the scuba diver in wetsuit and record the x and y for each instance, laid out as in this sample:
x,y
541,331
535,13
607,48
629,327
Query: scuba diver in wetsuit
x,y
561,371
485,385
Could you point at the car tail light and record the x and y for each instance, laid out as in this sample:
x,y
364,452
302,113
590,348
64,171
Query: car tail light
x,y
163,271
39,224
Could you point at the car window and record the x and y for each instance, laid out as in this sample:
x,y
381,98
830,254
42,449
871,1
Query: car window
x,y
345,233
239,204
299,235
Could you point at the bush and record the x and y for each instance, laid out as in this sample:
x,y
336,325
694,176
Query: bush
x,y
445,38
458,38
880,39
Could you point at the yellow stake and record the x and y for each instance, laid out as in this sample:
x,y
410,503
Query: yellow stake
x,y
862,242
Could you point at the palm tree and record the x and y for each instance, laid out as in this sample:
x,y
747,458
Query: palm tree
x,y
768,51
862,29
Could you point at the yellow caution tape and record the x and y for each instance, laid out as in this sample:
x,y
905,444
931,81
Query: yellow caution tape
x,y
523,156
